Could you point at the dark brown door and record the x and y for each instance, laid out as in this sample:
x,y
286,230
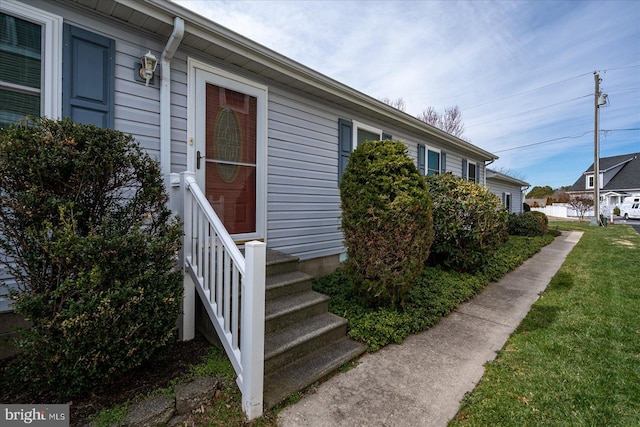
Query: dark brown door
x,y
230,158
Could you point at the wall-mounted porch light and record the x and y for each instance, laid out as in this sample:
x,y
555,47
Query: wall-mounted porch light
x,y
149,63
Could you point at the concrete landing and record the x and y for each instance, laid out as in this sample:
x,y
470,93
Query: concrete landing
x,y
422,381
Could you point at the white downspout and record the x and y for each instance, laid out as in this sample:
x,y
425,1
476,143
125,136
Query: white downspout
x,y
484,181
165,96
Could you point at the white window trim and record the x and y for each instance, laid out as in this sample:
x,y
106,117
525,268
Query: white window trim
x,y
508,194
588,185
426,159
469,164
51,86
358,125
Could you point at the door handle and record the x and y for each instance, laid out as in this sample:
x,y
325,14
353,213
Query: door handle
x,y
198,160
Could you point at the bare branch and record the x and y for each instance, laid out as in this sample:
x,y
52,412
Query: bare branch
x,y
581,204
450,121
395,103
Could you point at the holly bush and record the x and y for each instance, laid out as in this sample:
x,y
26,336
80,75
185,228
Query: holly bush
x,y
469,223
86,232
386,220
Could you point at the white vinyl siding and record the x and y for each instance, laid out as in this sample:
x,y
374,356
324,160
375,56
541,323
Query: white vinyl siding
x,y
501,188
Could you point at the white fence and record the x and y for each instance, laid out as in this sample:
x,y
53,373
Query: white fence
x,y
230,285
563,210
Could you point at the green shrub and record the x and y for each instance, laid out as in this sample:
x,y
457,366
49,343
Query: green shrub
x,y
436,293
386,220
542,216
84,218
528,224
526,207
513,253
616,211
469,222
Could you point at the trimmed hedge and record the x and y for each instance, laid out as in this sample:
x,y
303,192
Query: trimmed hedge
x,y
84,217
469,223
530,223
386,220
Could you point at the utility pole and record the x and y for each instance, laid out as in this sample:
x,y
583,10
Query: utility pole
x,y
596,152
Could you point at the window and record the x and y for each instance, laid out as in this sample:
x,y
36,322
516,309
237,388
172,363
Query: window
x,y
350,134
433,162
30,51
589,181
506,199
362,133
429,160
470,171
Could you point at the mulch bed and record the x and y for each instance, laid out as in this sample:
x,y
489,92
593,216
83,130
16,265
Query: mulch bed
x,y
143,380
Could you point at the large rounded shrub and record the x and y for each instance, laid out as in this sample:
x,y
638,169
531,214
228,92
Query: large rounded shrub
x,y
386,220
86,232
469,222
531,223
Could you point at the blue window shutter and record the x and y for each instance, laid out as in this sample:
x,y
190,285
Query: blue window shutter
x,y
421,159
478,165
465,169
443,162
88,73
345,145
386,136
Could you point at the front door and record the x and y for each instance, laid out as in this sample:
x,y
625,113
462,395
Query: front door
x,y
229,163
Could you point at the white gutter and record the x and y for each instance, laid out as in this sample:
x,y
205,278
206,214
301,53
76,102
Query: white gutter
x,y
165,95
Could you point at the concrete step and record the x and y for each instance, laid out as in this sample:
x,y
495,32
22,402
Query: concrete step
x,y
307,370
286,345
284,311
279,263
285,284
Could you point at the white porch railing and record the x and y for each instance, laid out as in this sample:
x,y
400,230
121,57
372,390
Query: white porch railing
x,y
230,285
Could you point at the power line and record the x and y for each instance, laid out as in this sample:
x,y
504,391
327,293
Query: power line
x,y
561,138
622,68
525,92
544,86
528,111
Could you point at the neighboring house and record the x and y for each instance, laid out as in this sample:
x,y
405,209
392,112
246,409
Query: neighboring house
x,y
265,138
509,189
619,177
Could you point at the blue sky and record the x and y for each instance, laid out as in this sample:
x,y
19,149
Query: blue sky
x,y
521,71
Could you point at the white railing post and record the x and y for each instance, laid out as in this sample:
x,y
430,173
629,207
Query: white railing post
x,y
187,327
175,195
252,337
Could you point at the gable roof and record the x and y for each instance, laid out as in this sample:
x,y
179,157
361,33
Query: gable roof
x,y
216,41
491,174
627,178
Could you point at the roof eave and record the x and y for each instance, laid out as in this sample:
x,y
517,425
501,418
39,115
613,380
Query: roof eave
x,y
200,26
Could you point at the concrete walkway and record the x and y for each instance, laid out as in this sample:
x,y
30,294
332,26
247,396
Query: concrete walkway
x,y
422,381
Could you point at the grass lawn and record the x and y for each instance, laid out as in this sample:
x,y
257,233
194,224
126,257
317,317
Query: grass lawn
x,y
575,358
